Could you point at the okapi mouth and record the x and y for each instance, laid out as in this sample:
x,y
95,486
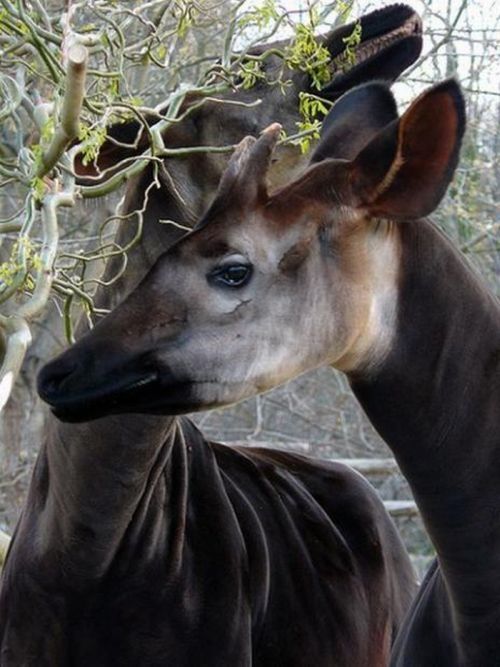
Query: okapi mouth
x,y
73,398
70,403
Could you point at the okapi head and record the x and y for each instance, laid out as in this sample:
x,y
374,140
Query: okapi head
x,y
268,286
390,41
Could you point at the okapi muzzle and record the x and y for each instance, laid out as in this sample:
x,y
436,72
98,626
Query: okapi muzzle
x,y
115,367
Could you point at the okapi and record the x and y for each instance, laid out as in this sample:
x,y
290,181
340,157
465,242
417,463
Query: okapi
x,y
338,267
143,544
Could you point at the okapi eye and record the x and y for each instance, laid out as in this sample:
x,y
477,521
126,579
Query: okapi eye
x,y
232,275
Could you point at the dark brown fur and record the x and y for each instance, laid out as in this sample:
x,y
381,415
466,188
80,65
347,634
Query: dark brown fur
x,y
228,557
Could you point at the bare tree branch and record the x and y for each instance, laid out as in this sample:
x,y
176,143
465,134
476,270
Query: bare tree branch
x,y
67,130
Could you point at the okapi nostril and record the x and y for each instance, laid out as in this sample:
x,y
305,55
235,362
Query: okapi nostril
x,y
52,378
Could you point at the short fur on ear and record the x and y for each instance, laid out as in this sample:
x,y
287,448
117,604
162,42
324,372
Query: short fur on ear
x,y
355,119
403,173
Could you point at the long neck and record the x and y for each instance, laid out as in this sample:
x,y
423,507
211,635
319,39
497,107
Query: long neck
x,y
436,402
101,483
101,488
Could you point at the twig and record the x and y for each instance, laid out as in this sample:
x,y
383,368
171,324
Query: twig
x,y
4,545
51,203
18,338
68,129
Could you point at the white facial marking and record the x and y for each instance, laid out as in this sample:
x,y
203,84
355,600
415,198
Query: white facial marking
x,y
380,280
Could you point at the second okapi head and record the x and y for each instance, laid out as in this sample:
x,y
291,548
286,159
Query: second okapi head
x,y
270,285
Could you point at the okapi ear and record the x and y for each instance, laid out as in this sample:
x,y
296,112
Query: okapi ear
x,y
384,66
390,41
245,178
123,141
403,173
355,119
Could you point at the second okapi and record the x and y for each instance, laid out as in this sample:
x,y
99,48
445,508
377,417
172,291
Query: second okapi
x,y
338,267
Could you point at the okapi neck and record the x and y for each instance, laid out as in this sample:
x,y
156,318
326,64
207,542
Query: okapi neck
x,y
96,484
436,402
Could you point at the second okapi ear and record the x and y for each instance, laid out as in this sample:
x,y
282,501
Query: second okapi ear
x,y
245,178
403,173
355,119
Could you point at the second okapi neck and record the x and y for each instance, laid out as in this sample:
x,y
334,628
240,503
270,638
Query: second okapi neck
x,y
435,402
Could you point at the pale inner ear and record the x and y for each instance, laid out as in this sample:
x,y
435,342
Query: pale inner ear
x,y
404,172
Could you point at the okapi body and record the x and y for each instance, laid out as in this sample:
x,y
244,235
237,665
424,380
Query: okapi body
x,y
338,267
143,544
166,549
